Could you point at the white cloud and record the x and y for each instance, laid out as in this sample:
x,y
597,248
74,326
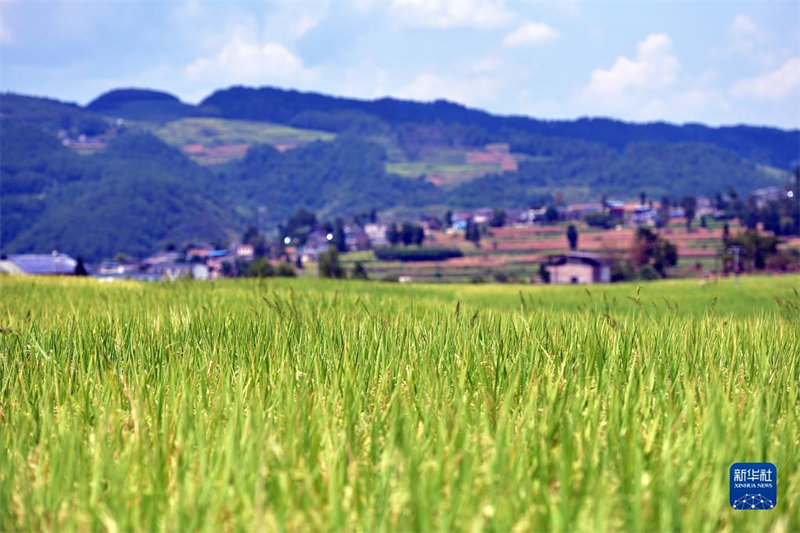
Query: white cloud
x,y
446,14
748,44
743,26
488,63
648,87
290,21
654,68
428,87
531,34
240,61
365,80
6,36
305,24
773,85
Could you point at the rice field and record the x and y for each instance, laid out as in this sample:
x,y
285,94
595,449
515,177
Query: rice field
x,y
307,405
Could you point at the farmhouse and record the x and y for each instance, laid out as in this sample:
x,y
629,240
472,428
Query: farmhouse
x,y
578,268
53,263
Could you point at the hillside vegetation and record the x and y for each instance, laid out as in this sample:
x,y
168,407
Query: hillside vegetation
x,y
268,152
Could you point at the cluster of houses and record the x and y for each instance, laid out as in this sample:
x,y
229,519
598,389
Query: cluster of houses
x,y
629,213
200,263
206,262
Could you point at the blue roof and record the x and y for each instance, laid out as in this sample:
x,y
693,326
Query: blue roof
x,y
44,263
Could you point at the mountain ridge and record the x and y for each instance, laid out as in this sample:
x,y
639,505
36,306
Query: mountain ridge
x,y
382,154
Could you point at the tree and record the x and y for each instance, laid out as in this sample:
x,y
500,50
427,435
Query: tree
x,y
257,241
720,202
757,248
80,268
665,254
419,235
572,237
329,266
285,270
359,272
498,219
663,215
551,214
642,198
735,206
689,204
407,233
599,219
544,273
473,232
649,249
750,214
448,219
259,268
392,234
339,240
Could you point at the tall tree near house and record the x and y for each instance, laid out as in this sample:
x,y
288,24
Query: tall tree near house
x,y
339,240
419,235
407,233
392,234
256,240
689,204
551,214
498,219
749,217
473,232
736,205
649,249
642,198
572,237
80,268
329,265
663,216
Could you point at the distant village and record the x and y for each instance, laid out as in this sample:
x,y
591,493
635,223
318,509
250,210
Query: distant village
x,y
289,253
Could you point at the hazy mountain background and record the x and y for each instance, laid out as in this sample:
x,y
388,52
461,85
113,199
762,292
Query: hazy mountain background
x,y
136,169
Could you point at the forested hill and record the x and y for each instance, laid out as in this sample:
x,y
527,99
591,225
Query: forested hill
x,y
767,145
137,195
122,175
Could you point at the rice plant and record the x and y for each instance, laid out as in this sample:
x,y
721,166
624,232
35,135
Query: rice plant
x,y
294,405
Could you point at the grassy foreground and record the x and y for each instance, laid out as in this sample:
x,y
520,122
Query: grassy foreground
x,y
305,405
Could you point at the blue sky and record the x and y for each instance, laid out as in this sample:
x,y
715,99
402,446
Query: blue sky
x,y
711,62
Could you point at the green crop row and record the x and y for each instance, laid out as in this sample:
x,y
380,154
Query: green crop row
x,y
305,405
